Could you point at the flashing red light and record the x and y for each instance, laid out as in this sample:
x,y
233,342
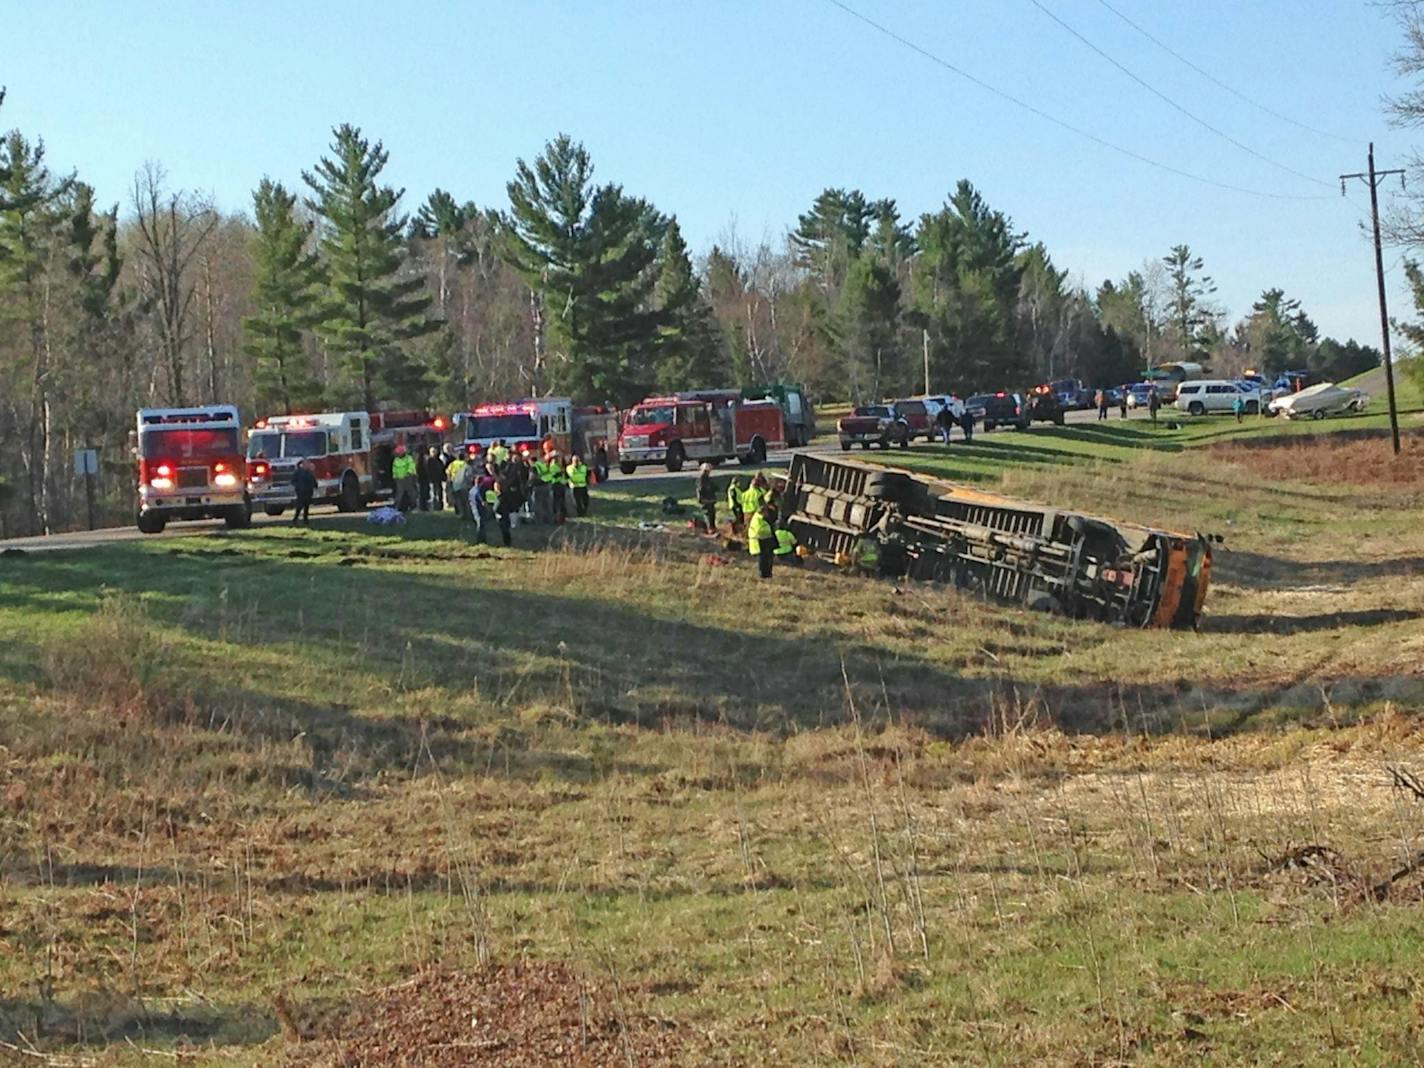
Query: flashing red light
x,y
438,423
219,468
163,471
1001,394
261,424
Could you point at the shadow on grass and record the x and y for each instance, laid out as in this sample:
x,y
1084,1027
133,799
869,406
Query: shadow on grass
x,y
418,644
1268,623
104,1019
1257,571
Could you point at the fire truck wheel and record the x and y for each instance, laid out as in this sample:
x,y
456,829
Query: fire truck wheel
x,y
627,468
674,458
758,452
238,517
150,523
349,499
273,509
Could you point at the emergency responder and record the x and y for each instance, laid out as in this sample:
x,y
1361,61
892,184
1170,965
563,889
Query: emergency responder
x,y
484,494
499,452
707,496
786,546
514,474
734,501
542,491
761,539
558,480
754,497
505,505
459,484
435,475
403,472
304,486
577,473
422,479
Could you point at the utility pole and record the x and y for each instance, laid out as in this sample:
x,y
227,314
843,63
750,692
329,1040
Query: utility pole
x,y
925,344
1372,179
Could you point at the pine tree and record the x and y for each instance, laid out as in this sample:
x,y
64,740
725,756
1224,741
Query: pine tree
x,y
284,296
1192,315
369,311
691,350
589,254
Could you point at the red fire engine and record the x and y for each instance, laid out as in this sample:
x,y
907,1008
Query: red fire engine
x,y
537,421
712,425
189,466
350,453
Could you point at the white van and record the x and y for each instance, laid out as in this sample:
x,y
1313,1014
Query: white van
x,y
1216,395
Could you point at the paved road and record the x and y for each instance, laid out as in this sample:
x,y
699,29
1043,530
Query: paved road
x,y
90,539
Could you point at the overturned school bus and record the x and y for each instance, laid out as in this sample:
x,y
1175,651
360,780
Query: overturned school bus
x,y
1011,550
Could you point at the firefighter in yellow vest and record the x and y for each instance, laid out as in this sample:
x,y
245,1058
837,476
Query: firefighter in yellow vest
x,y
786,546
577,472
558,480
454,473
754,497
403,474
499,452
734,501
761,540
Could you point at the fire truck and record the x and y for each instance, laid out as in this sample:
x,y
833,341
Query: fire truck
x,y
189,466
350,454
710,425
535,421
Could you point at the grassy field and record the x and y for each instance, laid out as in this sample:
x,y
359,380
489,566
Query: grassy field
x,y
339,797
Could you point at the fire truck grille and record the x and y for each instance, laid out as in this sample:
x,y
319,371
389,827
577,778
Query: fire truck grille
x,y
281,477
192,477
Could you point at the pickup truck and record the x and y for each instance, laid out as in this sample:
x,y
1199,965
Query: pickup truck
x,y
917,417
873,424
1045,406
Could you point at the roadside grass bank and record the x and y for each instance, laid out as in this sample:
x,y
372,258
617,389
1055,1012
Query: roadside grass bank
x,y
256,784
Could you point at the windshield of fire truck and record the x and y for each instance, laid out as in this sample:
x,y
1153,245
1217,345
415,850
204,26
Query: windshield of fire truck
x,y
494,427
274,444
187,443
651,415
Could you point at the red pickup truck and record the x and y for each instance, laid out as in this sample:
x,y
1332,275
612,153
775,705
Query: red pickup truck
x,y
873,424
916,416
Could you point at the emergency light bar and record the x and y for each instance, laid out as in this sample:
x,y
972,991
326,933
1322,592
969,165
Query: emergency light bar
x,y
505,409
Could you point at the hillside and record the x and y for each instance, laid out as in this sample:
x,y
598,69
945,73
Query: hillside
x,y
336,796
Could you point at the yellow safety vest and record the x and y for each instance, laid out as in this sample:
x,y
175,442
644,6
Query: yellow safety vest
x,y
751,500
499,453
453,471
785,542
734,496
578,475
757,529
403,467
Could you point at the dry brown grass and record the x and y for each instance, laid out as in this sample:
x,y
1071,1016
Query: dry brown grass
x,y
1333,459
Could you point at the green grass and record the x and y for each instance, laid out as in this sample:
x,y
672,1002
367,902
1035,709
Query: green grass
x,y
823,821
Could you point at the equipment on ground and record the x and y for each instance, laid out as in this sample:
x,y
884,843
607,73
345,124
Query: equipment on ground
x,y
900,523
189,466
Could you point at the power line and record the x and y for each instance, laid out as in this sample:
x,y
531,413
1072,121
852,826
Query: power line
x,y
1172,103
1222,85
1055,120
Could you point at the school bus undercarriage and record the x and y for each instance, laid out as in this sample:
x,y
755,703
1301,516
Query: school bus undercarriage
x,y
907,524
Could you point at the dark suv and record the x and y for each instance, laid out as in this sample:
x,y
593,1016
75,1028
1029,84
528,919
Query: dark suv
x,y
1000,409
1044,405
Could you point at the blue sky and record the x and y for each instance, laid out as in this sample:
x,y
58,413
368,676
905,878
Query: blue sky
x,y
734,112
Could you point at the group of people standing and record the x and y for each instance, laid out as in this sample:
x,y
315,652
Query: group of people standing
x,y
753,514
494,488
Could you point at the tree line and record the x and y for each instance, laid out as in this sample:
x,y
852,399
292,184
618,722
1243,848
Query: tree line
x,y
328,294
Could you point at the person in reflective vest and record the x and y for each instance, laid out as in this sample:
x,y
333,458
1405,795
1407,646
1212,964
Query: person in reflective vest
x,y
754,497
403,474
577,472
558,480
786,546
734,501
499,452
761,540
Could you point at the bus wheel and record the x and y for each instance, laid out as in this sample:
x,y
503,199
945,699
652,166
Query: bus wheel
x,y
150,523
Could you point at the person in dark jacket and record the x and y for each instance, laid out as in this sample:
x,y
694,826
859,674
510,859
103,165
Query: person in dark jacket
x,y
707,497
435,476
422,478
304,486
1154,402
966,424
